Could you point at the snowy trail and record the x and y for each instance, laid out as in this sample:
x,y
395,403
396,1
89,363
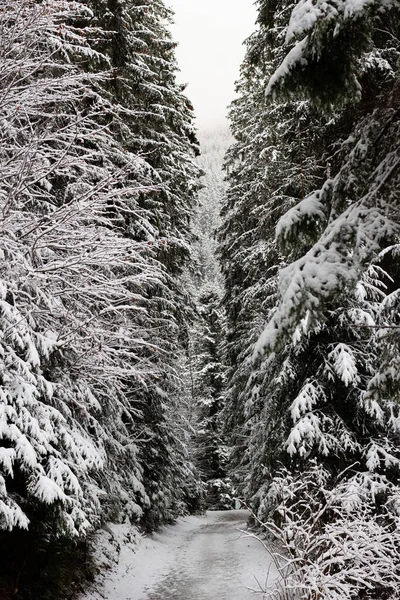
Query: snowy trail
x,y
200,558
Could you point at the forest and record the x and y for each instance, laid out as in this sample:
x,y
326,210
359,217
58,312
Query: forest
x,y
188,319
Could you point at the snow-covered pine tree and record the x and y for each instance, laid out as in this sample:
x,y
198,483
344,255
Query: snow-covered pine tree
x,y
326,357
93,322
274,162
158,116
211,452
157,122
44,447
79,328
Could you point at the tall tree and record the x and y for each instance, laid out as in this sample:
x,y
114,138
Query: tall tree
x,y
158,125
212,452
274,162
90,312
333,295
323,387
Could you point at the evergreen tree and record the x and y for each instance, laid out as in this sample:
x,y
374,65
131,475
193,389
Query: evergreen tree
x,y
212,451
158,116
154,120
158,125
91,325
274,162
323,386
333,297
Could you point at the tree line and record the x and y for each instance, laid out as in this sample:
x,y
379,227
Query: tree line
x,y
158,358
309,248
98,181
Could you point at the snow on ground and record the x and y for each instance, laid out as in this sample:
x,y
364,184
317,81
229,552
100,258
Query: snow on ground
x,y
206,557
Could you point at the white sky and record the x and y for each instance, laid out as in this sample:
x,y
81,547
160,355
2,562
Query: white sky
x,y
210,34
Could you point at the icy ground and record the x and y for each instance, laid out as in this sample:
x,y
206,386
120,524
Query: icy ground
x,y
200,558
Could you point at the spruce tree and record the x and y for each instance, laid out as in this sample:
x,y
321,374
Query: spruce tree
x,y
212,453
89,308
72,306
332,297
274,162
157,123
324,392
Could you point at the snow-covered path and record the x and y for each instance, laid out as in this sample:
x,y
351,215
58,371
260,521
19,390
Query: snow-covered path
x,y
200,558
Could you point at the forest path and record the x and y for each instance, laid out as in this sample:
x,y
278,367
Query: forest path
x,y
208,557
215,561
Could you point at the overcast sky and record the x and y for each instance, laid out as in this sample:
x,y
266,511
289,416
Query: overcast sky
x,y
210,34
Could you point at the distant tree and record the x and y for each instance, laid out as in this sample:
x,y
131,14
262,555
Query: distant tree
x,y
212,452
205,368
206,218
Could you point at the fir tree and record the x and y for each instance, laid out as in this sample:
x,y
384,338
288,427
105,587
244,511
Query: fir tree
x,y
212,452
323,386
155,121
274,163
89,315
159,126
331,296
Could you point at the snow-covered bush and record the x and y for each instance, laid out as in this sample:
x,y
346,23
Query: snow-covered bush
x,y
339,538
